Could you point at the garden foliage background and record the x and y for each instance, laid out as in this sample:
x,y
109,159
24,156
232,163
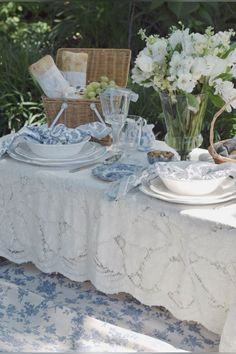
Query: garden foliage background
x,y
29,30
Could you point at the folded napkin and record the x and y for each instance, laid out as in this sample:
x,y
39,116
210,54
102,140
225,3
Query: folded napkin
x,y
187,170
74,68
49,78
120,188
147,140
59,134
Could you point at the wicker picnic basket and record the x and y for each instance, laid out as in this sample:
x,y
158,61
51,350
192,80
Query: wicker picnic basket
x,y
113,63
214,146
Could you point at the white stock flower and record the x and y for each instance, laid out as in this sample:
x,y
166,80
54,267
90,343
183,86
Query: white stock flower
x,y
184,61
233,70
175,38
231,58
144,62
222,39
200,43
141,77
214,66
186,83
180,37
180,64
158,49
197,68
226,90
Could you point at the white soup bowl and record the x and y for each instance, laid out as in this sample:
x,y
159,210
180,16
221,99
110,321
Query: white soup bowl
x,y
193,187
58,151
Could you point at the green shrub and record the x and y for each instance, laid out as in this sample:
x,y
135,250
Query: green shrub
x,y
22,43
28,30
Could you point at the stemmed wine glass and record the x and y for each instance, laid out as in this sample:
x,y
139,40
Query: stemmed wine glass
x,y
115,106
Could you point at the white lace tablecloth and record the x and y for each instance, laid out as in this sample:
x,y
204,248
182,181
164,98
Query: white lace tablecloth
x,y
178,256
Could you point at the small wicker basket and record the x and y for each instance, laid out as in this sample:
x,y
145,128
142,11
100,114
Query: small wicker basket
x,y
214,146
113,63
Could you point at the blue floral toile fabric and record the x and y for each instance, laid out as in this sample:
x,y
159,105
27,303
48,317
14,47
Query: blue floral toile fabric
x,y
50,313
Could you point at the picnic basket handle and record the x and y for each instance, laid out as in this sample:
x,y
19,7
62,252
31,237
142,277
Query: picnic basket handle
x,y
216,116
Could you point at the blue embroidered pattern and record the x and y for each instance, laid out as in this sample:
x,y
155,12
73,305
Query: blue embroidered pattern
x,y
48,312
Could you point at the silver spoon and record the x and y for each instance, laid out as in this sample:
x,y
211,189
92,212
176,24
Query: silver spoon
x,y
94,108
108,161
113,158
63,107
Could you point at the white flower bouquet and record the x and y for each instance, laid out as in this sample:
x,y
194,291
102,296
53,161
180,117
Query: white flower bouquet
x,y
187,69
188,63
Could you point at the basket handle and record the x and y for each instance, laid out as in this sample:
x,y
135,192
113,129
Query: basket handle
x,y
216,116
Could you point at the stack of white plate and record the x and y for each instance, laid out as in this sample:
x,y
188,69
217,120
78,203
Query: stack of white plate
x,y
90,152
156,188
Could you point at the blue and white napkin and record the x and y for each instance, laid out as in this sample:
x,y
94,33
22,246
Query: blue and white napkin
x,y
120,188
60,134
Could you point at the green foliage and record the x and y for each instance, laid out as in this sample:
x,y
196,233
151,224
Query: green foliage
x,y
224,128
20,100
15,27
90,23
28,30
195,15
22,43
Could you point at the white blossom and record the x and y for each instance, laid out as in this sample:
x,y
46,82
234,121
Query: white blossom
x,y
233,70
144,62
186,83
141,77
185,62
200,43
180,64
214,66
179,37
227,91
158,49
197,68
231,58
222,39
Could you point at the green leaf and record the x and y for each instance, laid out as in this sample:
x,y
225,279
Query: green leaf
x,y
232,47
225,76
183,9
156,4
205,16
216,100
193,103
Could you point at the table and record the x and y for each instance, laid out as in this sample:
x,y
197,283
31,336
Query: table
x,y
177,256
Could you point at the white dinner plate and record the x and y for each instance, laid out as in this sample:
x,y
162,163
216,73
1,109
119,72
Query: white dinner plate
x,y
99,152
24,150
226,188
203,200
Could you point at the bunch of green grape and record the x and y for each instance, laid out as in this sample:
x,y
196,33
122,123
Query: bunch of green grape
x,y
94,88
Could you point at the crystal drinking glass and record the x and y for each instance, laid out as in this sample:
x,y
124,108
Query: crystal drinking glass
x,y
131,134
115,106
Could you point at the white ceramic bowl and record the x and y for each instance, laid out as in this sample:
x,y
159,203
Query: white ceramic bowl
x,y
192,187
63,151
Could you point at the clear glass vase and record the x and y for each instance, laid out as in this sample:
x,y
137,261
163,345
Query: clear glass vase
x,y
183,118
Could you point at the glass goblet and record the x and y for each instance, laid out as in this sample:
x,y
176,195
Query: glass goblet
x,y
115,106
131,134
